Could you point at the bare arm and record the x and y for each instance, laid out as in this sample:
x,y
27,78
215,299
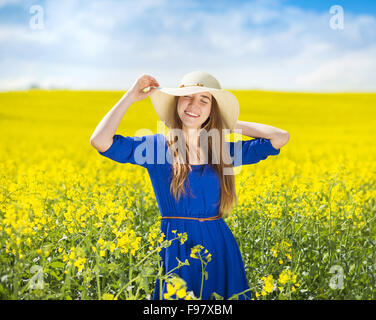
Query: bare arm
x,y
278,137
102,138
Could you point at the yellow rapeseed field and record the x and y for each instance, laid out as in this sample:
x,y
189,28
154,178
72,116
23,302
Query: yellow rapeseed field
x,y
76,225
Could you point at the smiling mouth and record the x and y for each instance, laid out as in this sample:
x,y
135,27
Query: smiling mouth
x,y
191,114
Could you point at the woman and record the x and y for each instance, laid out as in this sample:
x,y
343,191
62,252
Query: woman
x,y
193,180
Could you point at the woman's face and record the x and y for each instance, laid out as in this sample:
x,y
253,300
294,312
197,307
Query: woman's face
x,y
194,109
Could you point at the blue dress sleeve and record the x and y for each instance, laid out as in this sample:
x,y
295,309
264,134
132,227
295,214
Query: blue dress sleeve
x,y
135,150
251,151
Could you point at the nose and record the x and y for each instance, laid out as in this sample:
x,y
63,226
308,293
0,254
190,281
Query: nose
x,y
192,108
194,102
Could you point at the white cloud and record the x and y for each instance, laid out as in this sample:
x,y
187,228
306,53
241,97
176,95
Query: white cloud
x,y
354,71
24,35
250,45
19,82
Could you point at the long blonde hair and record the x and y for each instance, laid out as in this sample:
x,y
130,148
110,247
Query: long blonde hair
x,y
180,168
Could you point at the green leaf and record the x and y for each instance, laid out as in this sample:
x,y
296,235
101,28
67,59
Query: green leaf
x,y
57,264
216,296
53,273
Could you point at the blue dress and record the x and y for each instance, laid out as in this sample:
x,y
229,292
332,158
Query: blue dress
x,y
226,273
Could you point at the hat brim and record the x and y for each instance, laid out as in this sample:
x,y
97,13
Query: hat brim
x,y
163,100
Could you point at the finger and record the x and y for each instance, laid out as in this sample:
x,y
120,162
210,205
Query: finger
x,y
148,89
152,79
154,83
148,93
147,78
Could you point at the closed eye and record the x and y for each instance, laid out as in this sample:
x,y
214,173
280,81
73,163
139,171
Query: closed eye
x,y
203,101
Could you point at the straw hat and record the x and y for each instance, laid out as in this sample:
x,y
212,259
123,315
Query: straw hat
x,y
194,82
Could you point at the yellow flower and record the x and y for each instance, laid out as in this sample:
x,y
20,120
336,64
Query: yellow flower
x,y
286,276
183,237
71,255
170,288
177,286
283,278
108,296
274,252
196,252
170,291
129,242
181,293
187,297
79,263
268,284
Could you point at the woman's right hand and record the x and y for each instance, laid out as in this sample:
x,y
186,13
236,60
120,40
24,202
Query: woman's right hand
x,y
137,93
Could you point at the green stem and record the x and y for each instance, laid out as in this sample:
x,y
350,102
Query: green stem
x,y
160,270
263,236
126,285
130,269
160,288
150,253
202,275
66,281
147,256
98,281
238,294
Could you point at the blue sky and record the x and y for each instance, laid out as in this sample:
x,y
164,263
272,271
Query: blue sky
x,y
356,7
261,44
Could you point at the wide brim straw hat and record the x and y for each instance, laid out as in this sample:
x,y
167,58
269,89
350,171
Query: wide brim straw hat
x,y
163,99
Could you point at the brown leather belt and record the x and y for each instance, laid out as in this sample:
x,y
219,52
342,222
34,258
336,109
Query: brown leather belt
x,y
191,218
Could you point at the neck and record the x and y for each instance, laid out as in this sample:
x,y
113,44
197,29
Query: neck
x,y
191,135
192,139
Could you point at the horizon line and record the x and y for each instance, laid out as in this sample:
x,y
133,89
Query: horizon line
x,y
230,89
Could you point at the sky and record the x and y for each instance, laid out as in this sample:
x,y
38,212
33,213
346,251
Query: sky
x,y
285,45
